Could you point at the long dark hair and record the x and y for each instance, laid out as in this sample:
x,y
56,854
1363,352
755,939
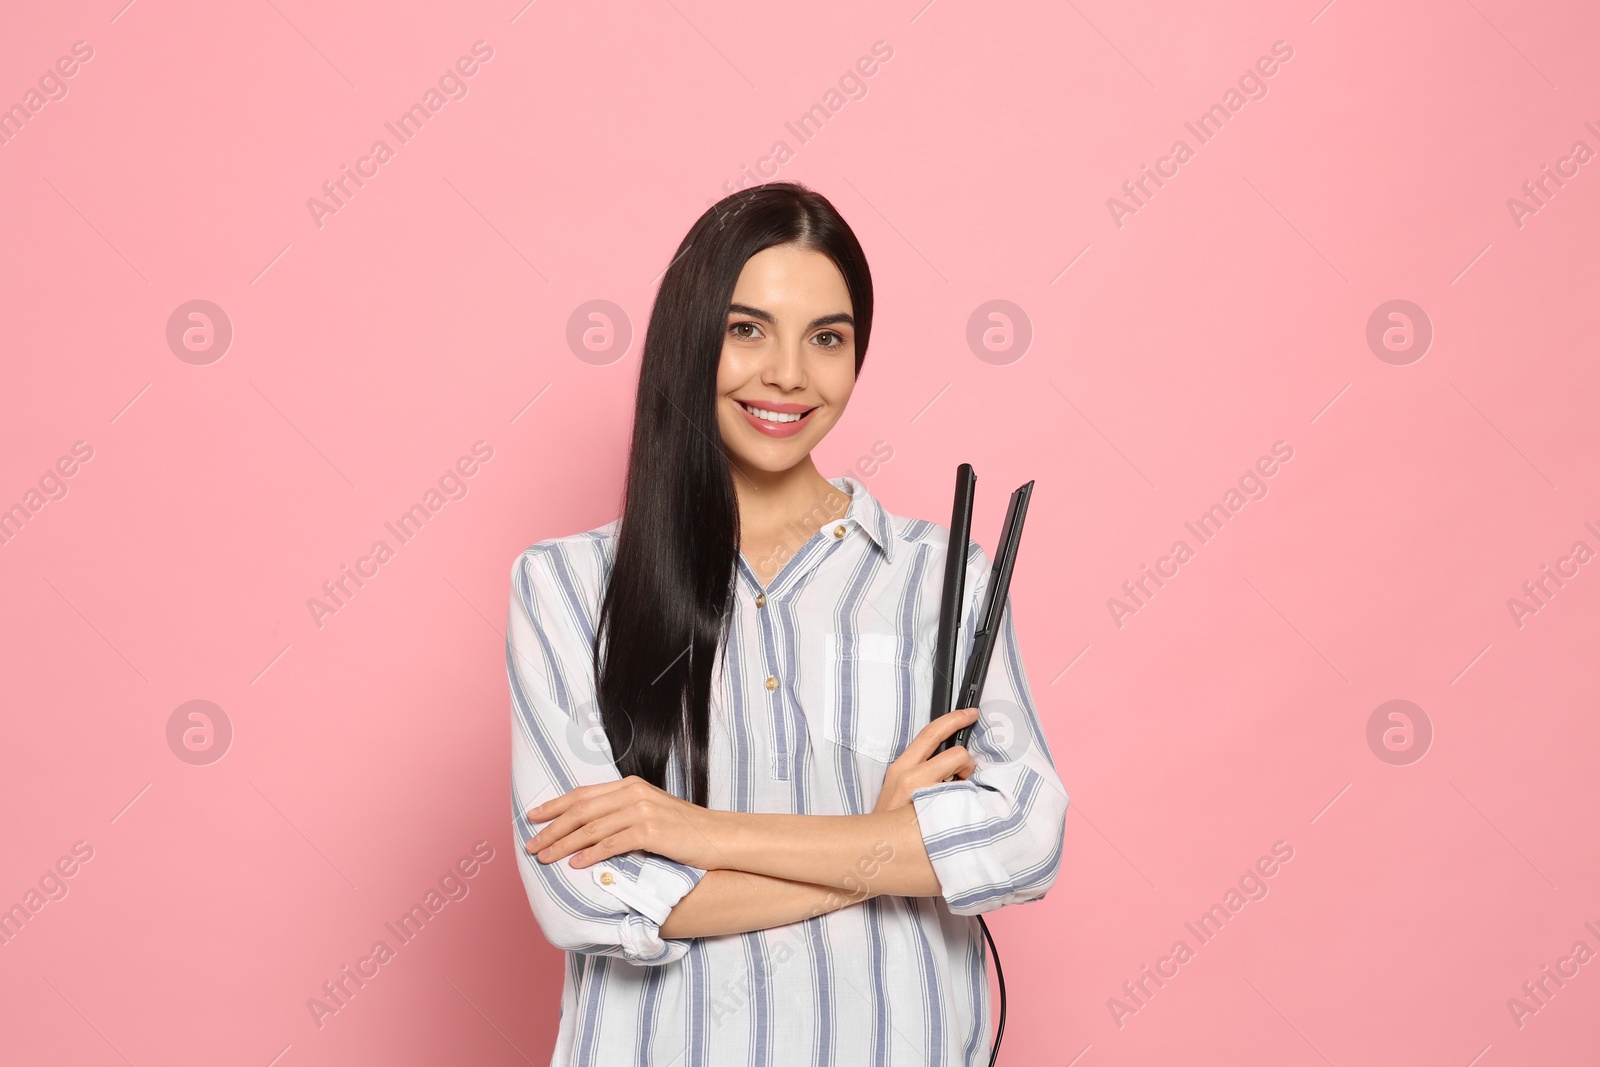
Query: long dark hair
x,y
667,602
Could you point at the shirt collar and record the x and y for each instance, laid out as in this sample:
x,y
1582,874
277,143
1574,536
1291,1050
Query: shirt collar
x,y
867,513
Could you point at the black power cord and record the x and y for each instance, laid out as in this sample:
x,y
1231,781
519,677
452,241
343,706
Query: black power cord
x,y
1000,1027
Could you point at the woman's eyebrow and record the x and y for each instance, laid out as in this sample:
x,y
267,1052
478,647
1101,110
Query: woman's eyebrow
x,y
766,316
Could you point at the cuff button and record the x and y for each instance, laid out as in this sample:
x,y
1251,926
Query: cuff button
x,y
606,878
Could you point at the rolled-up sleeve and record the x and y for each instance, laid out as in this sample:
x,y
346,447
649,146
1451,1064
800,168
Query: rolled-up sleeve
x,y
996,837
614,908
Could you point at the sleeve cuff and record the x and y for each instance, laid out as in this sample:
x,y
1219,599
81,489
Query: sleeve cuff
x,y
971,851
650,886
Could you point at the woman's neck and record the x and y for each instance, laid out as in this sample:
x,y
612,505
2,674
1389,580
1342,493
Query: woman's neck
x,y
780,511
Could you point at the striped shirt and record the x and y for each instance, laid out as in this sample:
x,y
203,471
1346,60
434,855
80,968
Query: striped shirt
x,y
827,677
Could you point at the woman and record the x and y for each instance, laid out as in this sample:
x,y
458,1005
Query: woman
x,y
731,812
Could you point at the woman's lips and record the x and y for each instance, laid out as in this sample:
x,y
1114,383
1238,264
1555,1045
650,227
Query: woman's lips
x,y
775,429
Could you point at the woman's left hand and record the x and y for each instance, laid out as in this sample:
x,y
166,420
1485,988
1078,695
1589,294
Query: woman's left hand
x,y
610,818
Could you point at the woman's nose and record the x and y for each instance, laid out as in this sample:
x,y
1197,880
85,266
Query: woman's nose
x,y
786,367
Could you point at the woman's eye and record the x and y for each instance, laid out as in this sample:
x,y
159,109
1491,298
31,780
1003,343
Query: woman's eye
x,y
736,327
835,343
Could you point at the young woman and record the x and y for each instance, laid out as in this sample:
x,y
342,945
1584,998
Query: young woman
x,y
730,810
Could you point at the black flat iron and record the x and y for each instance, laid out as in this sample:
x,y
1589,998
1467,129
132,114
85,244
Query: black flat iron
x,y
988,631
990,616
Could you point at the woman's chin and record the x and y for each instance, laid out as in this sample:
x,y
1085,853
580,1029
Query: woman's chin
x,y
755,451
771,460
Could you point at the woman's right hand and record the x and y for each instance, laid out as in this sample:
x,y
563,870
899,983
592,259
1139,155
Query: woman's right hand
x,y
914,769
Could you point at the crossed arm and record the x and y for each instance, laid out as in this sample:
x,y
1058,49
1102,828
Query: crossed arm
x,y
762,870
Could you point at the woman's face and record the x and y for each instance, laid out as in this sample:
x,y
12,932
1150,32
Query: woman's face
x,y
789,350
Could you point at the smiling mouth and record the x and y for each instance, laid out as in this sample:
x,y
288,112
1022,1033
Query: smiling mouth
x,y
776,417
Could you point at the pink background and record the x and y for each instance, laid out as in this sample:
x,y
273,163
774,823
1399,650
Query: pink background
x,y
1229,312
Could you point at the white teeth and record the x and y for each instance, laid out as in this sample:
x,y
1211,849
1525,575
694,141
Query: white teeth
x,y
772,416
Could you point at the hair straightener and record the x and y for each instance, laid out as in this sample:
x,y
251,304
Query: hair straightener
x,y
988,632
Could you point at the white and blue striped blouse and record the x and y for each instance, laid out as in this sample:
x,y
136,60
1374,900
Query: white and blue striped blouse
x,y
826,679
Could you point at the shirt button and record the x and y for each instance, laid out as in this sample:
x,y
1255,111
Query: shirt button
x,y
606,878
761,600
772,683
838,531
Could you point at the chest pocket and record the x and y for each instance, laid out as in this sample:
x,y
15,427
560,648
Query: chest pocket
x,y
871,690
